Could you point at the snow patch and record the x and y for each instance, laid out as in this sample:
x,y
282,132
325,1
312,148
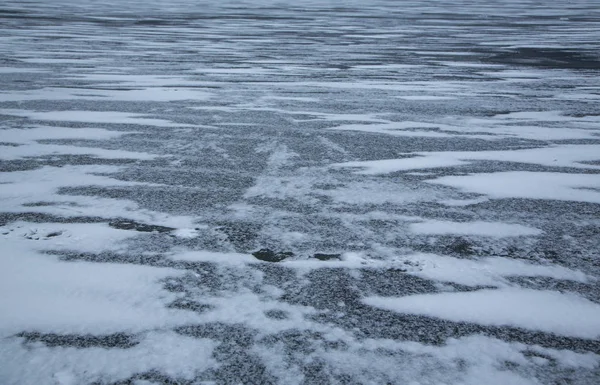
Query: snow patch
x,y
166,352
44,294
20,189
530,185
555,156
487,271
215,257
104,117
479,228
547,311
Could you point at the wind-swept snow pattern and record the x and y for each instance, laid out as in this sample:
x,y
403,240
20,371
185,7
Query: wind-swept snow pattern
x,y
547,311
309,192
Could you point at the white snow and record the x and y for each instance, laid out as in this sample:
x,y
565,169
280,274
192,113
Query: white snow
x,y
484,271
48,132
466,64
62,60
211,256
547,311
462,202
112,117
546,116
311,111
14,70
35,150
384,166
487,229
385,191
530,185
470,360
148,94
83,237
570,359
407,128
186,233
18,189
426,97
540,125
236,71
554,156
249,308
136,80
175,355
40,185
41,293
411,86
28,147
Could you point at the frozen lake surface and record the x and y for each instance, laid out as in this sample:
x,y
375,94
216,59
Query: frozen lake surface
x,y
312,192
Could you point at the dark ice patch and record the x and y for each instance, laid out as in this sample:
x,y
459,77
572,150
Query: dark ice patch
x,y
590,291
117,340
34,235
152,376
6,218
240,234
123,224
393,282
327,257
277,314
238,334
185,304
299,344
548,58
237,365
269,255
110,257
460,246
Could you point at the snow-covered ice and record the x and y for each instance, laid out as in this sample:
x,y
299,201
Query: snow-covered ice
x,y
308,193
